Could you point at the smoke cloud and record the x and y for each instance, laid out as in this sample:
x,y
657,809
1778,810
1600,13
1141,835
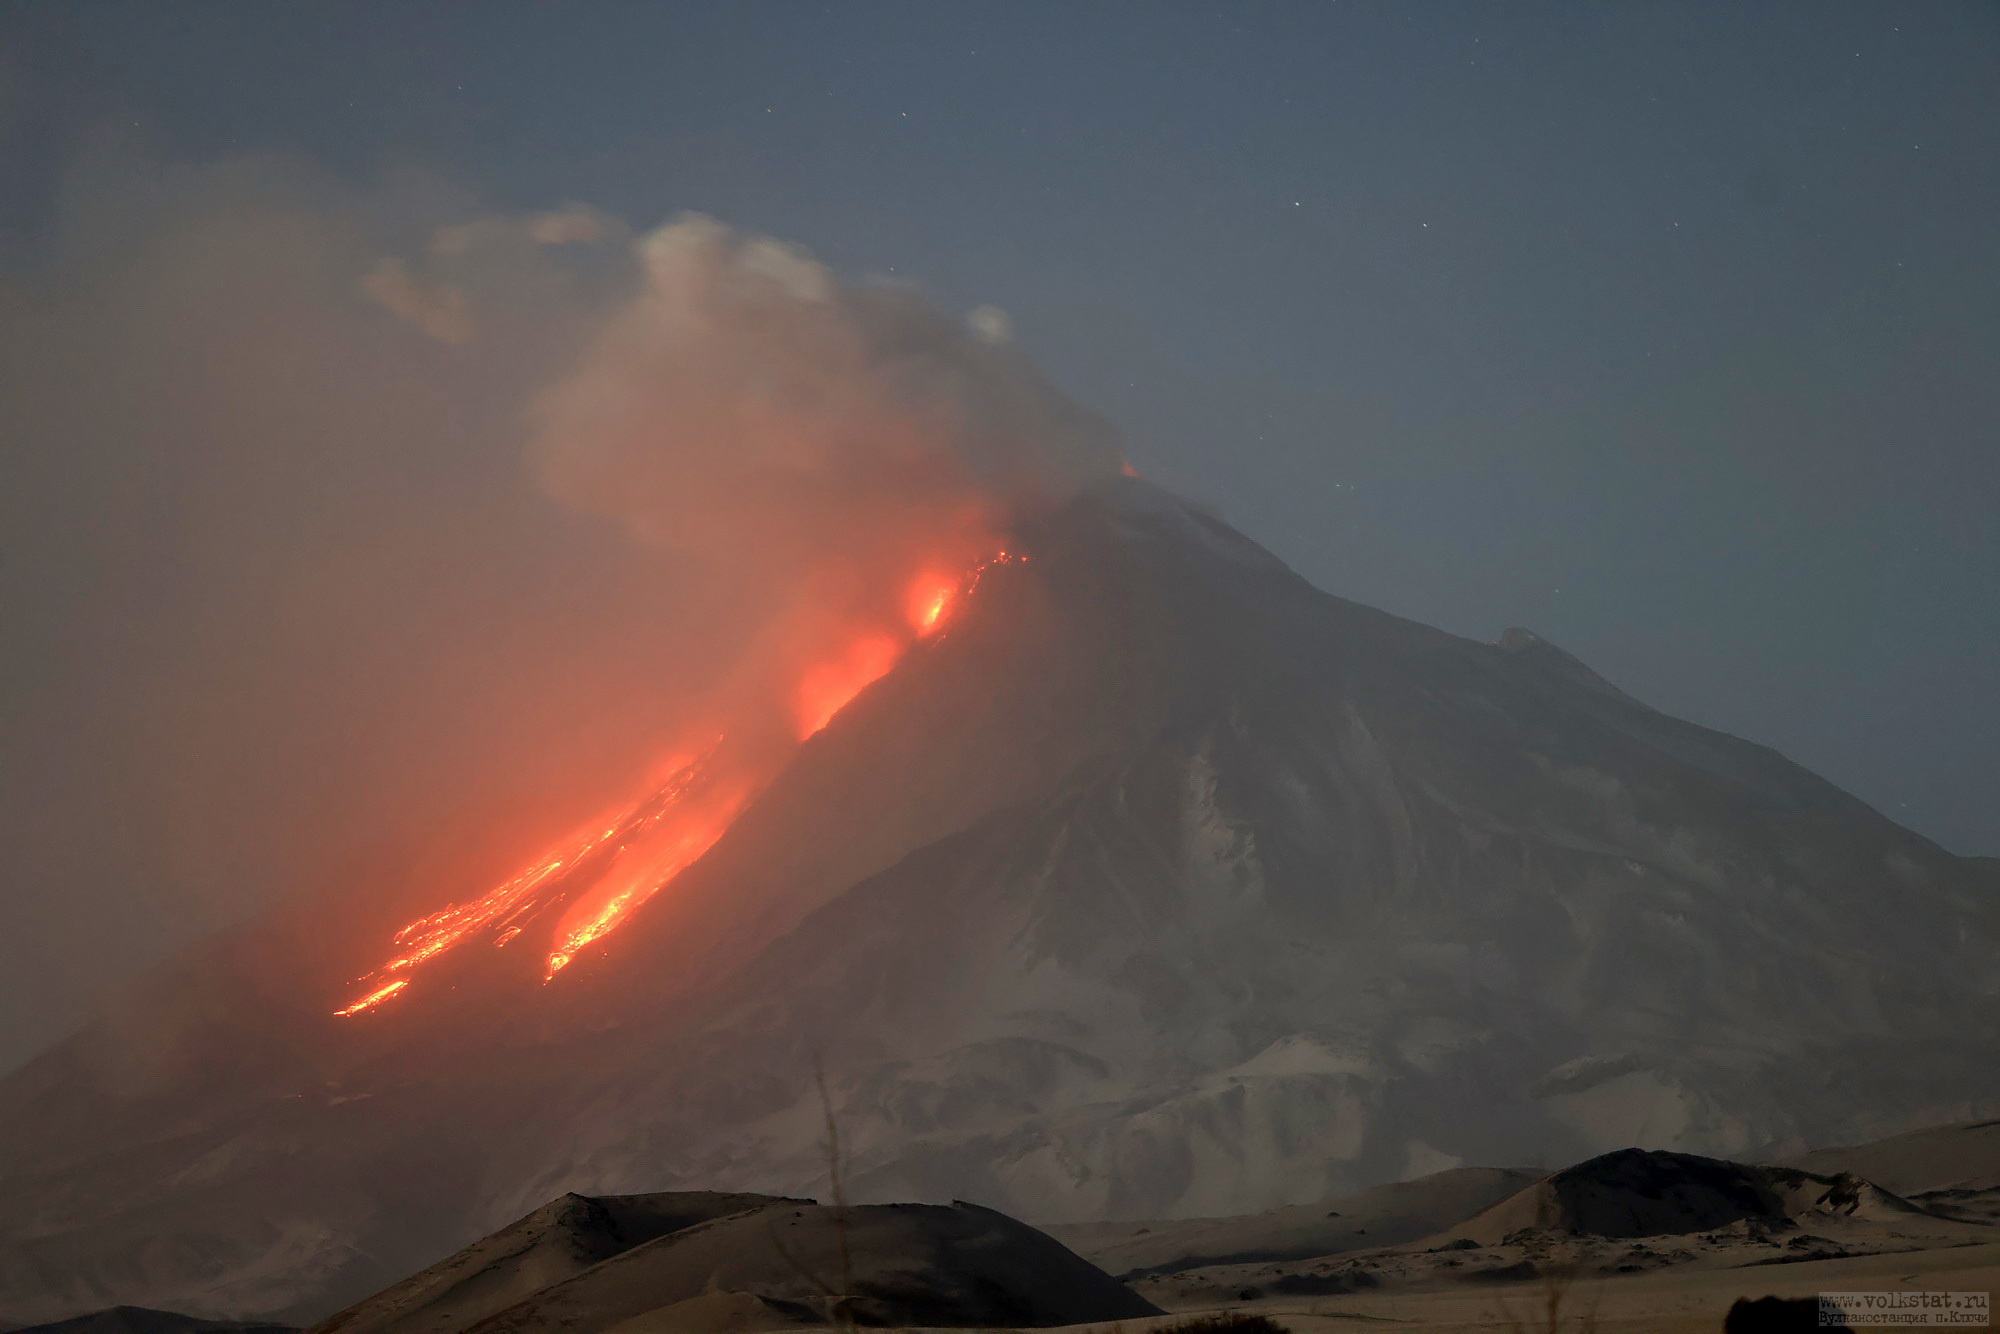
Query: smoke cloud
x,y
359,539
743,383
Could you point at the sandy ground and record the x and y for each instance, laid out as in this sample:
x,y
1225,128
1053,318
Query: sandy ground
x,y
1481,1274
1660,1302
1632,1240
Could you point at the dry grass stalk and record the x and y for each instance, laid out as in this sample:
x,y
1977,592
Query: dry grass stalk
x,y
840,1302
1556,1273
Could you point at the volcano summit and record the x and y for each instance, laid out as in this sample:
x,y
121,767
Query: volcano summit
x,y
1156,883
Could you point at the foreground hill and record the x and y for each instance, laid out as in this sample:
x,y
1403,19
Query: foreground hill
x,y
1952,1170
1163,885
557,1242
670,1262
1672,1239
142,1320
1636,1193
1636,1229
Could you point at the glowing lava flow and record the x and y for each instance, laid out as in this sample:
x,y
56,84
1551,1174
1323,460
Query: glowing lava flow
x,y
430,936
930,597
829,687
499,908
375,997
637,850
646,872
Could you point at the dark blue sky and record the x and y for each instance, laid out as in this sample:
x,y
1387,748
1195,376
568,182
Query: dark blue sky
x,y
1669,330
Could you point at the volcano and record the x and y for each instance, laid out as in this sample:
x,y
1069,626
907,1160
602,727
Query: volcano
x,y
1155,884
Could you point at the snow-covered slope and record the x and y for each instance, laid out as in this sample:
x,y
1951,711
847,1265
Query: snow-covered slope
x,y
1163,885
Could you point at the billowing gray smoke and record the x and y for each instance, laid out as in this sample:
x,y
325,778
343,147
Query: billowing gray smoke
x,y
290,606
743,384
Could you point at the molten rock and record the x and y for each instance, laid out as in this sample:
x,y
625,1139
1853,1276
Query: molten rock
x,y
1156,883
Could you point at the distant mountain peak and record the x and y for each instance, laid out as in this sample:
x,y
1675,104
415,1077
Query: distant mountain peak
x,y
1161,884
1531,647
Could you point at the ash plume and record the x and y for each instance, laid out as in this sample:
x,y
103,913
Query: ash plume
x,y
295,615
744,383
808,442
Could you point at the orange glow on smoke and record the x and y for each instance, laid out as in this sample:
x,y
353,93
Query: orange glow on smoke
x,y
591,883
929,598
828,687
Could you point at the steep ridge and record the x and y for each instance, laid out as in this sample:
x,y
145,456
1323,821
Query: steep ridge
x,y
1163,885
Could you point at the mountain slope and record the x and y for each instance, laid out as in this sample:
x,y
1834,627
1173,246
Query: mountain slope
x,y
1935,1158
1386,1215
1163,885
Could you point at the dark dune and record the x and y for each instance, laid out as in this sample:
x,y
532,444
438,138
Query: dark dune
x,y
145,1320
910,1264
706,1262
558,1241
1650,1233
1645,1193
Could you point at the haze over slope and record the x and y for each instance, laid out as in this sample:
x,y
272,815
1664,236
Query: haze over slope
x,y
1162,884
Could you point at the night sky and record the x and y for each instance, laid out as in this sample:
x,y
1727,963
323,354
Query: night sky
x,y
1671,330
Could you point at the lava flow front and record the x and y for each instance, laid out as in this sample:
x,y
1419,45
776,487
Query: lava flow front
x,y
592,882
